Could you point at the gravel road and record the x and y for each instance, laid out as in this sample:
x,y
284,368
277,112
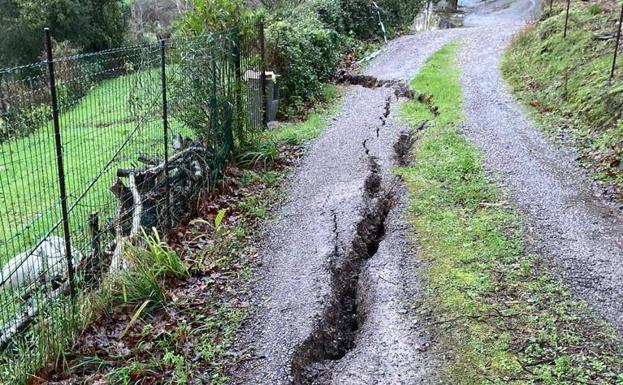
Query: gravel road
x,y
320,222
334,294
566,222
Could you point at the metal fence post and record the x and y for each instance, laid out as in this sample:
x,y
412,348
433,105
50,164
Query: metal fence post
x,y
165,131
238,73
616,45
264,108
567,19
59,161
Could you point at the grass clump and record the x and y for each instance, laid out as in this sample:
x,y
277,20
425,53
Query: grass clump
x,y
505,319
316,121
566,81
265,150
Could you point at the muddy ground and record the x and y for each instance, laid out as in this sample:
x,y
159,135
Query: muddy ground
x,y
336,292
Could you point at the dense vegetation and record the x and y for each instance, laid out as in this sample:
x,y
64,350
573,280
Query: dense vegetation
x,y
88,24
502,318
307,42
566,81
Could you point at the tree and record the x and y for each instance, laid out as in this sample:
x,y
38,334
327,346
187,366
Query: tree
x,y
152,18
89,24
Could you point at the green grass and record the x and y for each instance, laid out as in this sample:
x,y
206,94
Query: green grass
x,y
143,285
174,337
566,82
92,131
315,122
264,151
501,315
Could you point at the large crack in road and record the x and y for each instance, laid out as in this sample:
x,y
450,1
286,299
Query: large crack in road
x,y
319,303
335,334
335,295
329,355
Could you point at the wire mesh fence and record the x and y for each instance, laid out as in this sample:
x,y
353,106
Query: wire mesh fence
x,y
93,146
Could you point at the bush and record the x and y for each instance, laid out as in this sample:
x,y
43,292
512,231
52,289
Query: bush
x,y
305,40
206,98
362,20
306,43
213,16
22,121
305,48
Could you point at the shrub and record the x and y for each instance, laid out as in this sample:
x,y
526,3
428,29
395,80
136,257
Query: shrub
x,y
306,43
361,16
213,16
306,51
22,121
359,19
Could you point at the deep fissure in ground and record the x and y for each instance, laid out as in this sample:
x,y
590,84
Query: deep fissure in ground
x,y
335,333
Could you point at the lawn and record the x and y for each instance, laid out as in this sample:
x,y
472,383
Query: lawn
x,y
119,119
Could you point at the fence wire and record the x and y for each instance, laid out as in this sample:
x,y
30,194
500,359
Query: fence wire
x,y
115,119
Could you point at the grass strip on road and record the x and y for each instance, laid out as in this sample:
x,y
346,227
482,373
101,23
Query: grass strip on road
x,y
498,311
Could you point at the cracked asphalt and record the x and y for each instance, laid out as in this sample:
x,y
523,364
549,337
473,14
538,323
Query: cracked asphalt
x,y
575,230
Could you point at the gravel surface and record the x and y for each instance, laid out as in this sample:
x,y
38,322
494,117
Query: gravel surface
x,y
392,346
501,13
294,285
321,224
581,233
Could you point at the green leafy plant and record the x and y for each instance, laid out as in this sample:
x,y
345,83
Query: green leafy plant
x,y
306,52
263,153
213,16
217,225
149,266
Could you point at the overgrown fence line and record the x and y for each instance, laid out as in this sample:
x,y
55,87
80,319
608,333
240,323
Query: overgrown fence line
x,y
94,147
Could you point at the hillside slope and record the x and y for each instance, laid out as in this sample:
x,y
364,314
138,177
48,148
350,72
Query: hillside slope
x,y
566,81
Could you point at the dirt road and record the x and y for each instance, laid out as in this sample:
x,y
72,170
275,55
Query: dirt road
x,y
338,281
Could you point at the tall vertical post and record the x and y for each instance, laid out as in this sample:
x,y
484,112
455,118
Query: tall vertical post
x,y
263,74
551,6
59,162
616,45
165,131
236,41
567,19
